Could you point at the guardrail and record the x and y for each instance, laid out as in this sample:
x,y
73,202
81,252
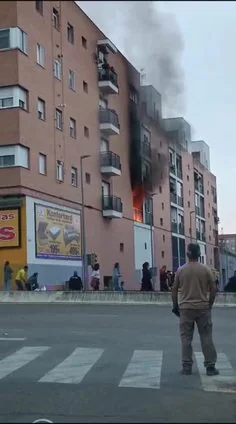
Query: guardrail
x,y
104,297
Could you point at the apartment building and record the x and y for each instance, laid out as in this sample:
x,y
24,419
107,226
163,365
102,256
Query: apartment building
x,y
75,122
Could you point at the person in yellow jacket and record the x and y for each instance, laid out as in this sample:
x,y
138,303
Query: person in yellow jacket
x,y
21,278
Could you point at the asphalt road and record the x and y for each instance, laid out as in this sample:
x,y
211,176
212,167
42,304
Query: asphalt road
x,y
69,364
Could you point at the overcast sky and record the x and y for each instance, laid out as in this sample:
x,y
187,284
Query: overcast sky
x,y
209,61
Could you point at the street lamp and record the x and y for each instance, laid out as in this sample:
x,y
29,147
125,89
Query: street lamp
x,y
151,233
84,255
191,227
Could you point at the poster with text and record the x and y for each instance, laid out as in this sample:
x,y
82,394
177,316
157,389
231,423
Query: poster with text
x,y
9,228
57,233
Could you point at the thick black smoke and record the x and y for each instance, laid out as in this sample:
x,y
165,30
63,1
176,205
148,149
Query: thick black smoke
x,y
150,39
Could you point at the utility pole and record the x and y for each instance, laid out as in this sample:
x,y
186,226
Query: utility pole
x,y
83,238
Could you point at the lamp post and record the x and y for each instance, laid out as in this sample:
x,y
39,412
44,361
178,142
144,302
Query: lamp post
x,y
83,239
151,234
191,227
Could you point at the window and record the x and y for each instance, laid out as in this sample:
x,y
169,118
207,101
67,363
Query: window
x,y
71,80
121,247
42,164
60,171
161,221
86,132
13,38
14,155
187,177
160,189
74,178
5,39
85,86
162,206
13,96
70,33
164,238
7,102
57,69
188,204
88,178
7,160
40,55
59,119
162,254
145,246
72,128
39,6
84,42
56,18
41,109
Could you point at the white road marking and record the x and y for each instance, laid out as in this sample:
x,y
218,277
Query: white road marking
x,y
144,370
74,368
12,339
225,382
20,358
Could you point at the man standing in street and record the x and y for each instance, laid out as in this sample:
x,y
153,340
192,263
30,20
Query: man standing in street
x,y
197,291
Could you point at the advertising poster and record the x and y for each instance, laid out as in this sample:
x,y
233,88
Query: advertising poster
x,y
9,228
57,233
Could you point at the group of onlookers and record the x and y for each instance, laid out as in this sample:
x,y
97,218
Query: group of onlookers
x,y
22,281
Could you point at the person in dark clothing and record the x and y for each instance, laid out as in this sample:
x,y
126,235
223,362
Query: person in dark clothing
x,y
75,282
231,285
147,278
32,282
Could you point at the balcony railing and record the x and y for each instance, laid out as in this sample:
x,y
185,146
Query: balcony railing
x,y
148,218
179,173
172,169
146,149
180,201
173,197
197,210
110,159
199,186
109,116
108,75
201,236
112,203
177,228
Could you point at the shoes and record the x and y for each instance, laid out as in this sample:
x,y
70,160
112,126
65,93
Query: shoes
x,y
186,371
211,371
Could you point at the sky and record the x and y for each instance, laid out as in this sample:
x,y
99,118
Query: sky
x,y
208,58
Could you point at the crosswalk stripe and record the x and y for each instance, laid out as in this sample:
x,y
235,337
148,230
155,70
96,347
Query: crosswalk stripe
x,y
225,382
20,358
144,370
75,367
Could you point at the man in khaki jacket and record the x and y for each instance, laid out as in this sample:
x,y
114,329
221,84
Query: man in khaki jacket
x,y
197,291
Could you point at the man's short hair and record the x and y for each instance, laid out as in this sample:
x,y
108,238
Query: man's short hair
x,y
194,251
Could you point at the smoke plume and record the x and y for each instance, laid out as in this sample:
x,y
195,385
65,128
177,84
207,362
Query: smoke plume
x,y
150,39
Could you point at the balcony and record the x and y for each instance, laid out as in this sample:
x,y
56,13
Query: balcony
x,y
172,169
179,173
177,228
148,218
112,207
108,81
146,150
110,164
109,122
201,236
180,201
173,197
106,46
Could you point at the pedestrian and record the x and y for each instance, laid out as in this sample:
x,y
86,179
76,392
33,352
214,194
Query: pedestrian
x,y
32,282
75,282
116,277
21,278
8,276
194,281
163,279
146,278
95,277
